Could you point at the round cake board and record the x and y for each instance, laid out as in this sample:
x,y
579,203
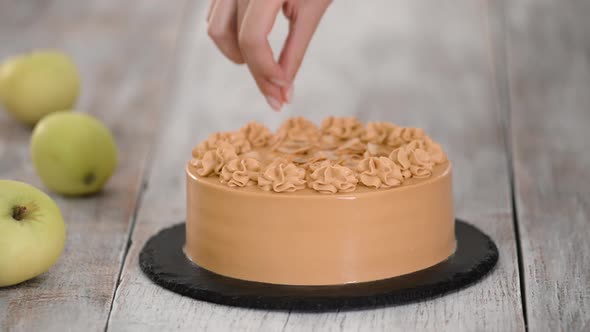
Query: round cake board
x,y
163,261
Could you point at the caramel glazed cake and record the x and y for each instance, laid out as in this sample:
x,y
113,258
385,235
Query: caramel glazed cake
x,y
342,203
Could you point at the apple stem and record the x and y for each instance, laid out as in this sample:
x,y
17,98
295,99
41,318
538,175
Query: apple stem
x,y
18,212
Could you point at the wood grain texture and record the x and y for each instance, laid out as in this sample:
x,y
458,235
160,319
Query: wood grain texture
x,y
123,50
549,62
418,63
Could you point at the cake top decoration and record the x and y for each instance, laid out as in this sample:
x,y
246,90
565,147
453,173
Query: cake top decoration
x,y
336,157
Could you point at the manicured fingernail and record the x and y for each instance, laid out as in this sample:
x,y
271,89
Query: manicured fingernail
x,y
289,94
281,83
275,104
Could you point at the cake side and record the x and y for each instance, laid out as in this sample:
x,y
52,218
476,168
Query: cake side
x,y
305,238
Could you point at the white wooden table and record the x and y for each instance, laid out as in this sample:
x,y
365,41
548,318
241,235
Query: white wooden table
x,y
503,84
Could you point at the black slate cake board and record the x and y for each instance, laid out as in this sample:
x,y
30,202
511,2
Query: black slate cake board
x,y
164,262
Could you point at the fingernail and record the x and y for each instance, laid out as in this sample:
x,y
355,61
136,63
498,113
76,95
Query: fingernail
x,y
281,83
289,94
275,104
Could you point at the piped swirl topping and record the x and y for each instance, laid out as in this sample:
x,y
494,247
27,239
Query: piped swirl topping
x,y
330,179
337,157
282,177
240,172
214,160
379,172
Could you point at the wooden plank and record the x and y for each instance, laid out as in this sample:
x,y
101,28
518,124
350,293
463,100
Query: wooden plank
x,y
549,61
419,63
123,50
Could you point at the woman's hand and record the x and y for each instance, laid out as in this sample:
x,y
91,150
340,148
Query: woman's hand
x,y
240,29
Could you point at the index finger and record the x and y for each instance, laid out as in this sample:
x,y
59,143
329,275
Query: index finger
x,y
301,30
253,39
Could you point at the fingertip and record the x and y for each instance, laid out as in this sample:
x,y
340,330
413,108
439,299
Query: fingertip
x,y
270,91
275,104
238,60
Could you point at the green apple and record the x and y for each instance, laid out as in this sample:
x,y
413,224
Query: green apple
x,y
36,84
73,153
32,232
